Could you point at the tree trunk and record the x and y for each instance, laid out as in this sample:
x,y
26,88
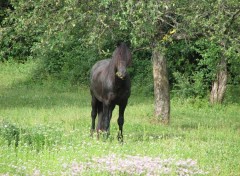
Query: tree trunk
x,y
161,86
219,85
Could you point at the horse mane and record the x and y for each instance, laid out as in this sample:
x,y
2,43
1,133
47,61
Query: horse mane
x,y
122,52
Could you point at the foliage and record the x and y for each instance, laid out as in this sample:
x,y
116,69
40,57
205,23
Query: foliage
x,y
68,37
37,137
18,33
215,27
10,133
189,76
4,5
141,73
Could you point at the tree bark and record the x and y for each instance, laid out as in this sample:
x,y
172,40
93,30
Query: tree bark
x,y
161,86
219,85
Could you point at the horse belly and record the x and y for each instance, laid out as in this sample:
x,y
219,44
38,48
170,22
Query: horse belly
x,y
100,89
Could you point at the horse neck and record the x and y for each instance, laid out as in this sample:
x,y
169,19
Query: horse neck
x,y
112,66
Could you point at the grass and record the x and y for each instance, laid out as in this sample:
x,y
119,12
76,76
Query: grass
x,y
44,130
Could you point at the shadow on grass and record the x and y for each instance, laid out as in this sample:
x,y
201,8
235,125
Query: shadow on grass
x,y
156,137
31,95
189,126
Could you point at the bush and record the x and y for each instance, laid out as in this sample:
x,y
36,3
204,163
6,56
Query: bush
x,y
188,86
192,67
71,65
142,74
10,133
38,137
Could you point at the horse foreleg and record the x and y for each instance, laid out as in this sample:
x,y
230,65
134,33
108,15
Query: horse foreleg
x,y
100,118
121,121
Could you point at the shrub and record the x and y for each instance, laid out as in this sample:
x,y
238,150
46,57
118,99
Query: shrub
x,y
10,133
36,137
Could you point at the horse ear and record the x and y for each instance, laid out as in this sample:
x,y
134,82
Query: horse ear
x,y
127,43
119,42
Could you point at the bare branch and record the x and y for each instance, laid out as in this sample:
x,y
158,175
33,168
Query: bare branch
x,y
231,20
142,48
185,36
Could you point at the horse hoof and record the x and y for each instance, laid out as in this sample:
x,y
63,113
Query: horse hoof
x,y
120,138
91,134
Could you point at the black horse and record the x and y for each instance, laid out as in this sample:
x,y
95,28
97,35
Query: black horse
x,y
110,86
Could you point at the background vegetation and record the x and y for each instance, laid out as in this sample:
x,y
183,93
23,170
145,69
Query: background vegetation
x,y
67,37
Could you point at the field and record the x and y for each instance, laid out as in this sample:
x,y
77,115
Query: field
x,y
45,130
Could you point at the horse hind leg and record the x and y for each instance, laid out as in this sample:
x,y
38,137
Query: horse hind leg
x,y
100,116
94,104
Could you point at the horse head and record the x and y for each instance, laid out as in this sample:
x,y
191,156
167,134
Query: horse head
x,y
123,58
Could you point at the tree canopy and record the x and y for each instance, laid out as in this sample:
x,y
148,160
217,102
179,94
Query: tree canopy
x,y
68,36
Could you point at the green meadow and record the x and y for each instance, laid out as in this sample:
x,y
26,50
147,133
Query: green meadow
x,y
45,130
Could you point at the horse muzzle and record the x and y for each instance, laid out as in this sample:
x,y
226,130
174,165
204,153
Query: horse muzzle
x,y
120,75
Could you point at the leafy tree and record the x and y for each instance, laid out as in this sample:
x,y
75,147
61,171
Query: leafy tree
x,y
215,25
55,32
4,5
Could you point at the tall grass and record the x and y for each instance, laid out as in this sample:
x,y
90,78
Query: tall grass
x,y
44,130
